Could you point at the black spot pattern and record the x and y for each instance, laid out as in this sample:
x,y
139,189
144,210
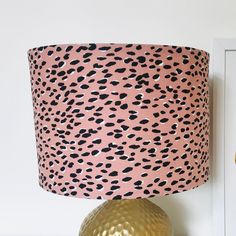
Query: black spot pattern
x,y
120,121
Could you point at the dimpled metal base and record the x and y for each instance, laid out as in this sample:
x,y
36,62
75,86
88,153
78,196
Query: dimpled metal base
x,y
138,217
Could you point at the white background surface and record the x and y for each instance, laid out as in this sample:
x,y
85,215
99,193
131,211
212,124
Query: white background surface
x,y
230,143
25,209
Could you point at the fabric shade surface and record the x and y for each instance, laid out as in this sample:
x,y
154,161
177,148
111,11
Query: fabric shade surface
x,y
120,121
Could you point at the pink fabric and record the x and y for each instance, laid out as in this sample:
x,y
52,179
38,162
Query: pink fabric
x,y
118,121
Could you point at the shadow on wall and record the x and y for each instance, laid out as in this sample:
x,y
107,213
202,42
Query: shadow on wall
x,y
176,213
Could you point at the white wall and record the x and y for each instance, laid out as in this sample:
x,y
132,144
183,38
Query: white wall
x,y
27,210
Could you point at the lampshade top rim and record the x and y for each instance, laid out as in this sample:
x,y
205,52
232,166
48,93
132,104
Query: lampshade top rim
x,y
118,44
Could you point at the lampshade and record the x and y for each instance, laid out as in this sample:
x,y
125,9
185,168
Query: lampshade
x,y
120,121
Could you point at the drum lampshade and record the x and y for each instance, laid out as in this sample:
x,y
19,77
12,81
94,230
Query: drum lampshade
x,y
120,121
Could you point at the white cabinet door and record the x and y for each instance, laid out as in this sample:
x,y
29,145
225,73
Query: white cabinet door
x,y
230,143
224,138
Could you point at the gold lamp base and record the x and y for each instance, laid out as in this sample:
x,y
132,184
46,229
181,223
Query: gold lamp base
x,y
138,217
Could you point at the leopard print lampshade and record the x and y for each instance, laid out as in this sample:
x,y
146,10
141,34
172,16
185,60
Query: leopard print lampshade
x,y
120,121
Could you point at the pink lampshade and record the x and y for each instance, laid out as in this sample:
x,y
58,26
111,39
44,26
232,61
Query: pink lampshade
x,y
120,121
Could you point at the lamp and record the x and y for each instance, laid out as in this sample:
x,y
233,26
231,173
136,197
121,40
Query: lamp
x,y
122,122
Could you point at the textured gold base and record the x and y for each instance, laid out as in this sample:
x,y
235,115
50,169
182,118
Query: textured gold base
x,y
138,217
